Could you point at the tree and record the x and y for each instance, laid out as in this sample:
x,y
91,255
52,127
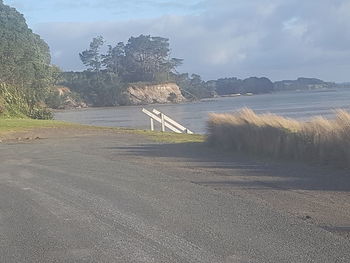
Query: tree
x,y
24,59
257,85
143,58
114,60
92,58
228,86
56,75
147,58
24,56
102,90
193,88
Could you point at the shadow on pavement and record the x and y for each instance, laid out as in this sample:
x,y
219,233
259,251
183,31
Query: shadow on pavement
x,y
239,170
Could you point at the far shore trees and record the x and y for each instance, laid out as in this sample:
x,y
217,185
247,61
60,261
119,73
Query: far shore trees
x,y
92,58
141,59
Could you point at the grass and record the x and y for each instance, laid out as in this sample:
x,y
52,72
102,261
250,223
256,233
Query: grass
x,y
17,125
319,141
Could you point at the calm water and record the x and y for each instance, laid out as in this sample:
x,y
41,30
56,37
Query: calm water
x,y
301,105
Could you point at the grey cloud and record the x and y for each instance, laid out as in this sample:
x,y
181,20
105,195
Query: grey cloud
x,y
276,38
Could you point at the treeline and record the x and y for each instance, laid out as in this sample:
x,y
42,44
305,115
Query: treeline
x,y
227,86
25,71
254,85
145,59
142,59
303,84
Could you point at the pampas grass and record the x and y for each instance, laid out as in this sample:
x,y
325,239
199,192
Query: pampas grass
x,y
320,140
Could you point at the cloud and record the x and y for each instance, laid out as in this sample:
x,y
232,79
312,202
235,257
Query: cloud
x,y
295,27
276,38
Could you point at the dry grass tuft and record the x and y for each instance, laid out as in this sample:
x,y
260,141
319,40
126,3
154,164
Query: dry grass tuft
x,y
320,140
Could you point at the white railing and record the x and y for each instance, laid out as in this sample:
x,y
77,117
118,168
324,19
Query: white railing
x,y
165,122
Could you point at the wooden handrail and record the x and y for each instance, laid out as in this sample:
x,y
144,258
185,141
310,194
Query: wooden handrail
x,y
158,119
172,122
165,121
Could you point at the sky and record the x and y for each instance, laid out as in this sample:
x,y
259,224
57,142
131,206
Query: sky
x,y
279,39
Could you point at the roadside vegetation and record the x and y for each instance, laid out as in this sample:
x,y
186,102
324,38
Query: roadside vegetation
x,y
14,125
319,140
26,73
14,103
17,125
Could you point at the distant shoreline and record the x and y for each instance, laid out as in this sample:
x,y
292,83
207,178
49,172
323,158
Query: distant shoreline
x,y
326,90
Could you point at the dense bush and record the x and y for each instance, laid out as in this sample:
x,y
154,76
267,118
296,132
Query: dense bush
x,y
95,88
25,67
14,103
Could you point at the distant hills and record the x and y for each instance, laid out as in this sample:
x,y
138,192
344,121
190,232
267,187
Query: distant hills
x,y
303,84
227,86
343,85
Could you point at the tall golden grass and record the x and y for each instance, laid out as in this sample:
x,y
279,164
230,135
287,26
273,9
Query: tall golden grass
x,y
319,140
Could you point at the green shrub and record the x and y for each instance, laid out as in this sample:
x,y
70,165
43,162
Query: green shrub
x,y
15,103
54,100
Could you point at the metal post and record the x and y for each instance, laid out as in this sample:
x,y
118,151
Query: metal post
x,y
152,124
163,122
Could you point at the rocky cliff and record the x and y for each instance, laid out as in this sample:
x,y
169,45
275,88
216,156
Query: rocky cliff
x,y
140,94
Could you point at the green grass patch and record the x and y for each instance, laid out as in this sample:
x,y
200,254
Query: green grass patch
x,y
14,125
17,125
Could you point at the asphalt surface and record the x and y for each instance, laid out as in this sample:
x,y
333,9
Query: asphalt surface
x,y
106,199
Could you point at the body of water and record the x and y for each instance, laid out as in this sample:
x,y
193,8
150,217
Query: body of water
x,y
299,105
